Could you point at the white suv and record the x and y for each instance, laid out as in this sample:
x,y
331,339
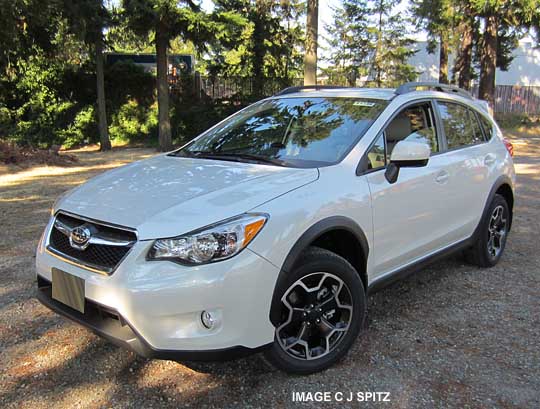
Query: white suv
x,y
268,230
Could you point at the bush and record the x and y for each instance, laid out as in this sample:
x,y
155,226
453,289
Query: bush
x,y
134,123
82,130
514,120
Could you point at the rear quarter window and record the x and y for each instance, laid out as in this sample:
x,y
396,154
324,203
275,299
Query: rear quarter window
x,y
460,125
487,126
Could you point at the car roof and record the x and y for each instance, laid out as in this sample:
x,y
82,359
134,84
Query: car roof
x,y
369,93
385,94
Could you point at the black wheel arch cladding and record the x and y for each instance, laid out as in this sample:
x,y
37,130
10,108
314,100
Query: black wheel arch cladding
x,y
310,236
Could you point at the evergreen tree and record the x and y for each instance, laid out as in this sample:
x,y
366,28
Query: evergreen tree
x,y
393,48
350,43
165,19
436,17
312,32
373,40
267,44
503,22
466,36
87,19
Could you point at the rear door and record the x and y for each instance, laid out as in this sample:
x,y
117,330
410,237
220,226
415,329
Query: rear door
x,y
467,160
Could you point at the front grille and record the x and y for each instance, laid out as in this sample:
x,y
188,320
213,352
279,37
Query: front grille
x,y
102,257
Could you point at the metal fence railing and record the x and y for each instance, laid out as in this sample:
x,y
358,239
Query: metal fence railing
x,y
509,99
231,87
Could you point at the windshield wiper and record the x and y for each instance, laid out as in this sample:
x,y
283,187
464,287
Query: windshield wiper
x,y
249,156
231,156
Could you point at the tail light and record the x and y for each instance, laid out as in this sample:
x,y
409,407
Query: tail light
x,y
509,146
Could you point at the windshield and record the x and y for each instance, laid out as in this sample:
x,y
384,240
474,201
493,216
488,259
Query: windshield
x,y
298,132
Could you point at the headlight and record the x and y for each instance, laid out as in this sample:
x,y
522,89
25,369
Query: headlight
x,y
212,243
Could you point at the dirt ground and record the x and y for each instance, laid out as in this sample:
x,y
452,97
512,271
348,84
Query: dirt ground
x,y
449,336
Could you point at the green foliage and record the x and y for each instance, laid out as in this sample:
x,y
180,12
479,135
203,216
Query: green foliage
x,y
351,43
370,39
259,38
512,121
81,130
134,123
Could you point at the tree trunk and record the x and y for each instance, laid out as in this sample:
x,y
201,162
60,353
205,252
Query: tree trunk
x,y
104,141
162,44
258,50
378,48
312,28
443,59
488,61
462,67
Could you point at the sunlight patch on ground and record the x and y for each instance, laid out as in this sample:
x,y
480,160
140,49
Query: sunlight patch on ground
x,y
42,360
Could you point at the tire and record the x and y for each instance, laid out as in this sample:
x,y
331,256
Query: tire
x,y
317,327
491,241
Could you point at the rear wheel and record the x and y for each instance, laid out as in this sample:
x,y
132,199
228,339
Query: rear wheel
x,y
322,308
488,249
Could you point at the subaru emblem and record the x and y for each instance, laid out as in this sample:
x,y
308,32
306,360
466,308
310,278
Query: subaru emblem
x,y
80,237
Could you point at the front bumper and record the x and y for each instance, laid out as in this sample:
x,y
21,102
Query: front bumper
x,y
110,325
160,303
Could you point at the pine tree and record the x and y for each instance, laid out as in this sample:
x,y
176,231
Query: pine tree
x,y
166,19
393,48
437,18
372,40
350,43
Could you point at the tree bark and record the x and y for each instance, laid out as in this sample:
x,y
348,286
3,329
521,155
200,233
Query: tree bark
x,y
258,49
104,141
462,67
443,59
488,61
312,28
378,48
162,44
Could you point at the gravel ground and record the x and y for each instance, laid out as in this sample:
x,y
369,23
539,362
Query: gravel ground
x,y
449,336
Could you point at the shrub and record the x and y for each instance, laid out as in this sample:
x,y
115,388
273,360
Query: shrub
x,y
134,123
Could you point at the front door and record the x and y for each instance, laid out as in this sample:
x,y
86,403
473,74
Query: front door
x,y
409,215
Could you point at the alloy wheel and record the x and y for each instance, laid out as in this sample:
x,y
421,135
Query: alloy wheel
x,y
496,232
316,314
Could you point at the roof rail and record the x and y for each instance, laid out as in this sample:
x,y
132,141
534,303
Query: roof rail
x,y
452,89
291,90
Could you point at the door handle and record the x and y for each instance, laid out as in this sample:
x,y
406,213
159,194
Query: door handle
x,y
442,177
489,159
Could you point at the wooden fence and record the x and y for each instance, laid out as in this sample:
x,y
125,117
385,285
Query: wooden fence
x,y
517,99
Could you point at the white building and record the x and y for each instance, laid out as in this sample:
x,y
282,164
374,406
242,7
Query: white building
x,y
524,70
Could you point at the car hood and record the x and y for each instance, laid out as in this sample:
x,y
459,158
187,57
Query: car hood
x,y
167,196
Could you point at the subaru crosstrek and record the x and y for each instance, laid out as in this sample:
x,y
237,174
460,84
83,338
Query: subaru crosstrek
x,y
268,231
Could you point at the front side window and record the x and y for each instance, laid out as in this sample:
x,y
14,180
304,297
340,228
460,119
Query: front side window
x,y
414,123
296,132
460,125
376,156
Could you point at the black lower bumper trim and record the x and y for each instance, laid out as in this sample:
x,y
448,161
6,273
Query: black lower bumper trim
x,y
109,324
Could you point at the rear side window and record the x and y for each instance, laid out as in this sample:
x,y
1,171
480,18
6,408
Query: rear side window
x,y
460,124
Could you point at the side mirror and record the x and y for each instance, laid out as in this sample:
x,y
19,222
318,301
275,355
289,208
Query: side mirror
x,y
406,154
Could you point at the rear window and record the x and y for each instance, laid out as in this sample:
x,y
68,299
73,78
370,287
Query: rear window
x,y
297,132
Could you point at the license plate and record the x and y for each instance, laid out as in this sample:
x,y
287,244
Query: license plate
x,y
68,289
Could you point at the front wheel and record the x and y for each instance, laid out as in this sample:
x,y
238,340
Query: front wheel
x,y
488,249
322,307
